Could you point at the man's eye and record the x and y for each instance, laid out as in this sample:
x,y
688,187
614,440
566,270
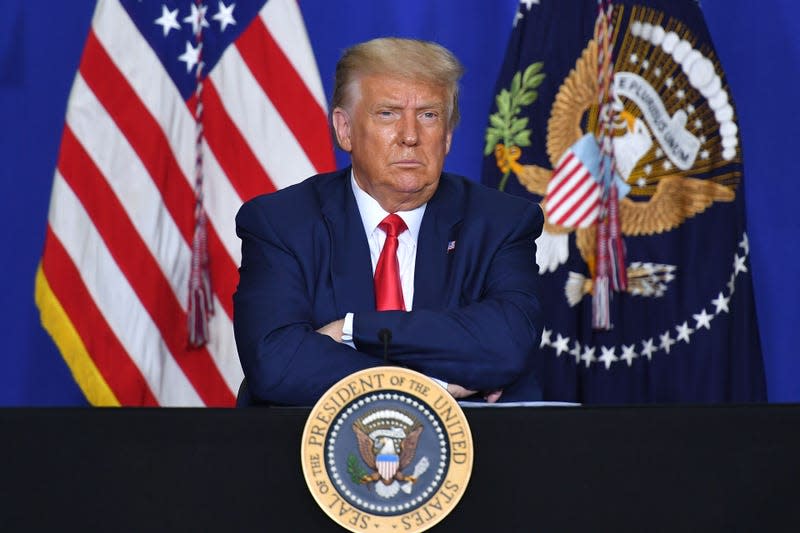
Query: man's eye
x,y
430,115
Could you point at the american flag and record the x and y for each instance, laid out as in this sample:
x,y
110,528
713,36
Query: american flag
x,y
573,192
113,283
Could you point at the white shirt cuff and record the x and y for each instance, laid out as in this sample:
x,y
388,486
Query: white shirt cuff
x,y
347,330
440,382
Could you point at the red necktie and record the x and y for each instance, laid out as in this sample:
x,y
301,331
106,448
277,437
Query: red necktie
x,y
388,291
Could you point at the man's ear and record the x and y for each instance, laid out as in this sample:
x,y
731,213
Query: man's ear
x,y
341,126
448,141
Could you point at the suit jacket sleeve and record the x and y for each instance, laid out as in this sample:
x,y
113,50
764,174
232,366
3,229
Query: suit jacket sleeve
x,y
285,360
490,339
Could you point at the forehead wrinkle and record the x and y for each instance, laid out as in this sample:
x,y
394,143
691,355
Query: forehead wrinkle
x,y
401,98
355,95
399,104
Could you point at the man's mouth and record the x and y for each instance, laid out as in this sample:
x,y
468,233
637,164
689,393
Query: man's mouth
x,y
407,163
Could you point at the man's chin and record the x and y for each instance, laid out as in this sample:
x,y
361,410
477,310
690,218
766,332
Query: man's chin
x,y
413,181
416,196
414,188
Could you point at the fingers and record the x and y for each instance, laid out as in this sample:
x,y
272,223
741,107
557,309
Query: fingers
x,y
493,396
458,392
333,330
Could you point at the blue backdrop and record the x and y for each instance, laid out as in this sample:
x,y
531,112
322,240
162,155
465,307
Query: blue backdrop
x,y
41,43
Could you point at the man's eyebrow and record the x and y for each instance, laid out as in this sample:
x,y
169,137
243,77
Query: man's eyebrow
x,y
398,105
387,103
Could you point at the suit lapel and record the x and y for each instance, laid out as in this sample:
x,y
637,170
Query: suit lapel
x,y
440,226
351,266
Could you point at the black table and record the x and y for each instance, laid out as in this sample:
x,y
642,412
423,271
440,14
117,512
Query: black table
x,y
704,468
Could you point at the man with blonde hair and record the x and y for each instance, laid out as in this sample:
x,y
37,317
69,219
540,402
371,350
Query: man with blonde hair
x,y
391,248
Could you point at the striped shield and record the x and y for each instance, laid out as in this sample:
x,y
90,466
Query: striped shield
x,y
573,193
387,465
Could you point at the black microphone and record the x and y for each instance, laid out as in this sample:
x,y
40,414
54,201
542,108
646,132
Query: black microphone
x,y
385,336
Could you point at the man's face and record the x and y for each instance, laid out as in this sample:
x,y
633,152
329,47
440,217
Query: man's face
x,y
397,133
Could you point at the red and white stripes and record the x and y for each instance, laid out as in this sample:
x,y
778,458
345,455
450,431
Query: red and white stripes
x,y
572,193
131,183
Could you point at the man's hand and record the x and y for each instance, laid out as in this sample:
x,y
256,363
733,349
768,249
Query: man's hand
x,y
333,330
493,396
458,392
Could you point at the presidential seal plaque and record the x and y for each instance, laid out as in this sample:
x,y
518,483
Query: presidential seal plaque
x,y
387,449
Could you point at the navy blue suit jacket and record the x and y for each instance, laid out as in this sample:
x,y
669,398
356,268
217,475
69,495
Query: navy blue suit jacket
x,y
306,262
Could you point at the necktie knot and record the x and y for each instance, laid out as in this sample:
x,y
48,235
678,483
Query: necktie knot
x,y
393,225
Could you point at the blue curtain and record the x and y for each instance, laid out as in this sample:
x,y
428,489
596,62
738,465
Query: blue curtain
x,y
41,42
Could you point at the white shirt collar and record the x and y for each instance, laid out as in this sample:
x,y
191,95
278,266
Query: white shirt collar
x,y
372,213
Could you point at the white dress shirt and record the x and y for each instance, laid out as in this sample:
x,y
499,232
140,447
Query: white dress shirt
x,y
371,215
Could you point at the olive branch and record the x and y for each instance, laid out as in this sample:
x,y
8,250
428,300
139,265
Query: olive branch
x,y
355,469
506,127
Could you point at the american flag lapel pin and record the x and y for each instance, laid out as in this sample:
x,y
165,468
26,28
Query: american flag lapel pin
x,y
451,245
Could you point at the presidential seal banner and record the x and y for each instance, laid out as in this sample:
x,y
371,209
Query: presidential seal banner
x,y
617,118
387,449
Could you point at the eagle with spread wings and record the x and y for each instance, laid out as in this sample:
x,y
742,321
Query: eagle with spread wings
x,y
672,195
387,455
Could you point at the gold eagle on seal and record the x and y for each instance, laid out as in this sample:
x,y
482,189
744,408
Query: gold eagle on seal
x,y
667,195
387,442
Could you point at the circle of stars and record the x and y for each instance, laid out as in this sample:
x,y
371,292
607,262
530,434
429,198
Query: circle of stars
x,y
680,333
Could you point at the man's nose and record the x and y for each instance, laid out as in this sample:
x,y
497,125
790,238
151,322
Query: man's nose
x,y
408,132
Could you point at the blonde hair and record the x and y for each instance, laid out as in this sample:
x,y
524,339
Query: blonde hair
x,y
411,59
